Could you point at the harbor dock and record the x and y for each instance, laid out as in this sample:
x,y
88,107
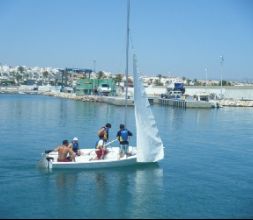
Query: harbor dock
x,y
120,101
181,103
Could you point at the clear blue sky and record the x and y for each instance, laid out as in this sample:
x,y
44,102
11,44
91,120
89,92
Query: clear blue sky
x,y
179,37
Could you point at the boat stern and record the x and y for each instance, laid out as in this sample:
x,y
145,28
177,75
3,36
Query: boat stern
x,y
46,161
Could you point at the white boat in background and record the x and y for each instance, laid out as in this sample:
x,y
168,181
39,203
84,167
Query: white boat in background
x,y
21,93
149,147
201,100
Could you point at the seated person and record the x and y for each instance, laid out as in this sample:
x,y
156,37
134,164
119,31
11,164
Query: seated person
x,y
101,150
75,146
65,153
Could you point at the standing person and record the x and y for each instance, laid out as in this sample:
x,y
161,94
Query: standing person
x,y
104,132
122,136
65,153
75,146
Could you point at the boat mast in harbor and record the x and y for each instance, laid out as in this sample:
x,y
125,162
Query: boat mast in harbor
x,y
206,77
127,55
221,63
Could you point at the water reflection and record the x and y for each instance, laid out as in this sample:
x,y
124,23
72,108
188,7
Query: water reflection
x,y
63,114
149,193
66,180
101,190
111,193
127,190
203,115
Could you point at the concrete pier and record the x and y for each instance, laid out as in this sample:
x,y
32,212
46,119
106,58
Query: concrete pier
x,y
173,102
181,103
114,100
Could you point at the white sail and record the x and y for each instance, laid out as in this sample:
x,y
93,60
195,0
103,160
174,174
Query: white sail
x,y
149,143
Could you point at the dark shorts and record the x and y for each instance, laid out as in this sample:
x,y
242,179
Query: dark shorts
x,y
77,152
68,159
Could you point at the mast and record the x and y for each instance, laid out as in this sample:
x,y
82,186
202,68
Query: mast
x,y
206,78
127,55
221,63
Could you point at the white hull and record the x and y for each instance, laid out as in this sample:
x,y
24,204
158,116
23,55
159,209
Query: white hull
x,y
88,160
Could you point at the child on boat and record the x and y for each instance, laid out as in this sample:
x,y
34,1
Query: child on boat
x,y
101,150
75,146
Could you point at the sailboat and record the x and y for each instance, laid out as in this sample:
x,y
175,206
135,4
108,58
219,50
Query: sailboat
x,y
149,147
149,144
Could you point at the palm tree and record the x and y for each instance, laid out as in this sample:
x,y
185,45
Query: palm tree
x,y
45,75
21,69
100,75
157,82
18,77
19,74
118,78
159,77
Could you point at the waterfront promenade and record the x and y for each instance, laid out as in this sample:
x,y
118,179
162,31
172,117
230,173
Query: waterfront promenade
x,y
233,96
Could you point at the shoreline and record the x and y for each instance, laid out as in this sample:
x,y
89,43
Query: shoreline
x,y
116,100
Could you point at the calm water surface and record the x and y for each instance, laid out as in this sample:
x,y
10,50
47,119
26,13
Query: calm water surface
x,y
207,171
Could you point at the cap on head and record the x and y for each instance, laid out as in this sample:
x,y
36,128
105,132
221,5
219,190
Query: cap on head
x,y
108,125
75,139
122,126
65,142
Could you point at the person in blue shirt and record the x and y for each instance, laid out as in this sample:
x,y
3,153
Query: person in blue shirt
x,y
75,146
123,136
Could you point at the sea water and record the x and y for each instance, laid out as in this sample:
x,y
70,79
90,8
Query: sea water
x,y
207,171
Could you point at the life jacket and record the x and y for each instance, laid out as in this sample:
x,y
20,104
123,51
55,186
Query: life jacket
x,y
124,135
75,146
103,132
